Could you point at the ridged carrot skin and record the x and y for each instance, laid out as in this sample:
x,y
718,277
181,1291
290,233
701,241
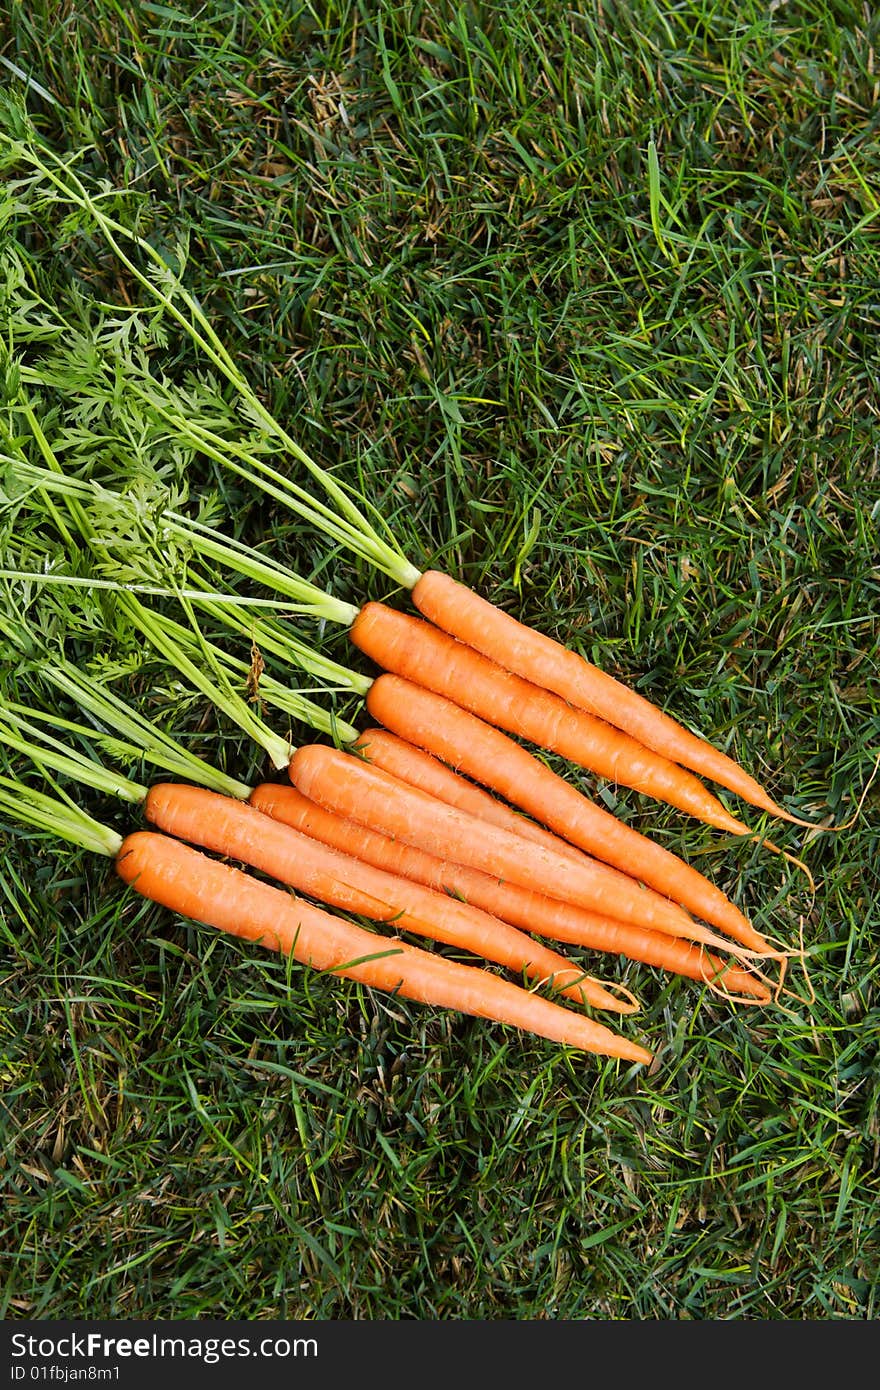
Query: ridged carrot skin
x,y
522,907
488,755
411,647
218,895
344,783
337,879
545,662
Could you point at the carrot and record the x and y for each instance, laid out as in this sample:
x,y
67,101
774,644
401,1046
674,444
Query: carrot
x,y
418,767
412,648
472,746
545,662
352,788
522,907
219,895
240,831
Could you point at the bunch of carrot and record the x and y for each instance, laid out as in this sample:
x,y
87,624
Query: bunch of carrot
x,y
441,821
390,829
392,832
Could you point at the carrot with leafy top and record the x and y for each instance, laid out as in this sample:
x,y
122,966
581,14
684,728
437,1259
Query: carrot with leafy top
x,y
194,885
446,602
219,895
185,880
240,831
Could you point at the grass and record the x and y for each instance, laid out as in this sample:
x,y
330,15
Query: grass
x,y
585,297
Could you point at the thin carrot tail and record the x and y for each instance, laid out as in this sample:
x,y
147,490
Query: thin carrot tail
x,y
772,808
792,859
801,957
715,982
847,824
779,812
623,999
795,862
723,819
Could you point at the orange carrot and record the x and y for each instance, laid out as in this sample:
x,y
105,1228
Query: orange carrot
x,y
191,883
343,783
234,828
522,907
474,747
410,647
547,663
413,764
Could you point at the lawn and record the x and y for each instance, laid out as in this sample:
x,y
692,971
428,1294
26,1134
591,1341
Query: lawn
x,y
584,299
